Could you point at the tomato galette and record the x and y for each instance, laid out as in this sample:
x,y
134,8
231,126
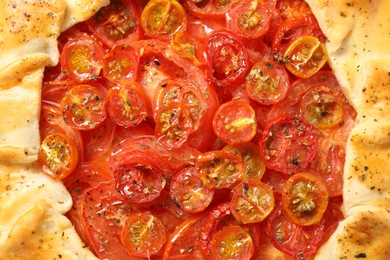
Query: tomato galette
x,y
173,129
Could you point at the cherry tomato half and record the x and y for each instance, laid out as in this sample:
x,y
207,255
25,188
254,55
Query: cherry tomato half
x,y
235,122
248,19
305,198
57,155
220,169
232,242
305,56
288,144
227,58
189,191
252,201
127,104
83,107
267,82
208,8
143,234
163,18
81,58
116,23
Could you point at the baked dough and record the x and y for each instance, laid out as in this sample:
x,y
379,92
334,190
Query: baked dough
x,y
32,225
358,46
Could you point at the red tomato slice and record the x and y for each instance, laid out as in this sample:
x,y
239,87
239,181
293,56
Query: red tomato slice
x,y
54,91
292,239
57,155
104,214
305,199
81,58
143,234
183,243
305,56
232,242
267,82
220,169
248,19
162,18
227,58
120,64
189,191
173,125
235,122
189,47
116,23
139,176
97,142
293,9
127,104
83,107
249,152
288,144
252,201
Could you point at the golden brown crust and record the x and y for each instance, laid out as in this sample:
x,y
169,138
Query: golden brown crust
x,y
358,34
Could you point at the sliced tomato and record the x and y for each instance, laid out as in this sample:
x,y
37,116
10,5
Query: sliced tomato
x,y
208,8
248,19
235,122
333,215
189,191
183,243
127,104
83,107
220,169
163,18
173,125
305,198
288,144
116,23
297,241
322,107
227,58
305,56
97,142
54,91
252,201
249,152
81,58
120,64
267,82
189,47
57,155
104,214
139,175
276,180
143,234
232,242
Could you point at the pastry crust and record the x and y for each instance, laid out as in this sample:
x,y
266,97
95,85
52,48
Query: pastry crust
x,y
358,34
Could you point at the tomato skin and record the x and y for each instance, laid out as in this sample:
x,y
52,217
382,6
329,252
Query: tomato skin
x,y
288,144
248,19
235,122
227,58
83,107
189,191
305,198
208,8
267,83
293,9
80,58
57,155
116,23
163,18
